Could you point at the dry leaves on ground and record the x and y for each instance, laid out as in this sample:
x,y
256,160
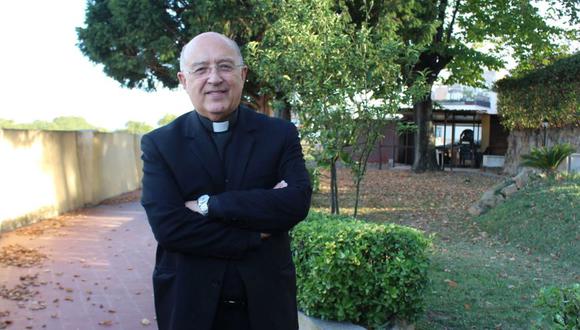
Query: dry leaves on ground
x,y
24,291
416,199
4,321
19,256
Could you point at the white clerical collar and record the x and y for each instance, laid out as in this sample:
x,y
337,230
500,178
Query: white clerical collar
x,y
219,127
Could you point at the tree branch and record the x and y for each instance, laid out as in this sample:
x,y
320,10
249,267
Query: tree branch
x,y
450,27
441,17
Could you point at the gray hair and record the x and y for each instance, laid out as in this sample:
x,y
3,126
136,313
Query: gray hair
x,y
229,41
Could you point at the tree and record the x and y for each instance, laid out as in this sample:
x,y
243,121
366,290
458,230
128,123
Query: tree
x,y
342,80
72,123
166,119
466,36
7,123
138,127
139,41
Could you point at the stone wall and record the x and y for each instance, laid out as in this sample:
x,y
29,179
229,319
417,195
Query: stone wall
x,y
46,173
521,142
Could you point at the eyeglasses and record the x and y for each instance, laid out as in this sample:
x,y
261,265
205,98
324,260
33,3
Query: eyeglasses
x,y
203,71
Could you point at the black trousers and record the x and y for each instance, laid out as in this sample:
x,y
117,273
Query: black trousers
x,y
231,316
232,312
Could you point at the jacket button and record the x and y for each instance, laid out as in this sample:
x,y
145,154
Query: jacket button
x,y
227,180
215,284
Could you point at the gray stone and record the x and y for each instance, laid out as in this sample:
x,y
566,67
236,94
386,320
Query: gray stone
x,y
509,190
311,323
522,179
476,209
491,201
488,194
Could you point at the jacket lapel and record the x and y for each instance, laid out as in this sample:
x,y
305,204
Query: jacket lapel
x,y
203,148
240,149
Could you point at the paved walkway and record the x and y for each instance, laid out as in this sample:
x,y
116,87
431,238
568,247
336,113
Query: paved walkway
x,y
96,274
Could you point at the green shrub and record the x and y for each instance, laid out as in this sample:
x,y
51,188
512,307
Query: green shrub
x,y
550,93
368,274
548,159
563,307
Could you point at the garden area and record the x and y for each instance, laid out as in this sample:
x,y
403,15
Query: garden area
x,y
485,272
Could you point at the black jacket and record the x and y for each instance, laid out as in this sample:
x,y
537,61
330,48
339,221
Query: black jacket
x,y
179,164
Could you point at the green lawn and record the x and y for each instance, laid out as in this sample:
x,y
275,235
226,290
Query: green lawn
x,y
486,271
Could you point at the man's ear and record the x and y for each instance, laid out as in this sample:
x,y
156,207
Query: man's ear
x,y
182,80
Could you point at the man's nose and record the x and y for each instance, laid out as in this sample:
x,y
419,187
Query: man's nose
x,y
214,76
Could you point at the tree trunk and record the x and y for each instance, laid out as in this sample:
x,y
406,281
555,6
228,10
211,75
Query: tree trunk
x,y
283,112
333,188
263,104
424,146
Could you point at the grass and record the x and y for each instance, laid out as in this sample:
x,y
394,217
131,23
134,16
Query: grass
x,y
486,272
543,219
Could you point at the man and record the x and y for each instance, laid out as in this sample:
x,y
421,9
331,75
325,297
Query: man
x,y
222,185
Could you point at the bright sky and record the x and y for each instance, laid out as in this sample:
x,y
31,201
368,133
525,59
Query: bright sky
x,y
46,76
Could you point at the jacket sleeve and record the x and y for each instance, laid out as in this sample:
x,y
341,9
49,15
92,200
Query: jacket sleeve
x,y
270,210
175,227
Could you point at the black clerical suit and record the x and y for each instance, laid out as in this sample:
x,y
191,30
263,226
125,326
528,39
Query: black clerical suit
x,y
196,254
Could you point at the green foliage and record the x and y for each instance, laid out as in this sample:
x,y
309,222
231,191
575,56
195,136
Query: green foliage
x,y
563,305
406,127
139,42
138,127
342,77
166,119
551,93
547,159
368,274
65,123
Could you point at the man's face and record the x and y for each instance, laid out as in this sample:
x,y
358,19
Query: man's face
x,y
213,76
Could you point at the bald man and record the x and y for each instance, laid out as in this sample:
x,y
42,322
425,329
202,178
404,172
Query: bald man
x,y
222,186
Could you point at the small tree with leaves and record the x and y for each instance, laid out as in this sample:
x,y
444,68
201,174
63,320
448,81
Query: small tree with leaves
x,y
342,80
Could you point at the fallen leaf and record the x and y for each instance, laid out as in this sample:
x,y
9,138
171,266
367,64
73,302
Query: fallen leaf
x,y
106,323
451,283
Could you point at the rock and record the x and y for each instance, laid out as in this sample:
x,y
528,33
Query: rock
x,y
509,190
491,201
476,209
311,323
522,179
488,195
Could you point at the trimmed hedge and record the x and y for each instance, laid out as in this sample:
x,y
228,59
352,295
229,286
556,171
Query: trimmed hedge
x,y
551,93
364,273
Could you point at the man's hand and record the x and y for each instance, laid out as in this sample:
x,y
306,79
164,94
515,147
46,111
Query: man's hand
x,y
192,205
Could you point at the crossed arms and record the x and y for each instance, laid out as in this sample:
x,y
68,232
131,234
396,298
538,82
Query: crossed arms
x,y
236,219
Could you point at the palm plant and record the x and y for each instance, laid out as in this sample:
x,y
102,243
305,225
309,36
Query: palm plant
x,y
547,159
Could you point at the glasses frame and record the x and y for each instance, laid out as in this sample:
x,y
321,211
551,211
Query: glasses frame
x,y
212,67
